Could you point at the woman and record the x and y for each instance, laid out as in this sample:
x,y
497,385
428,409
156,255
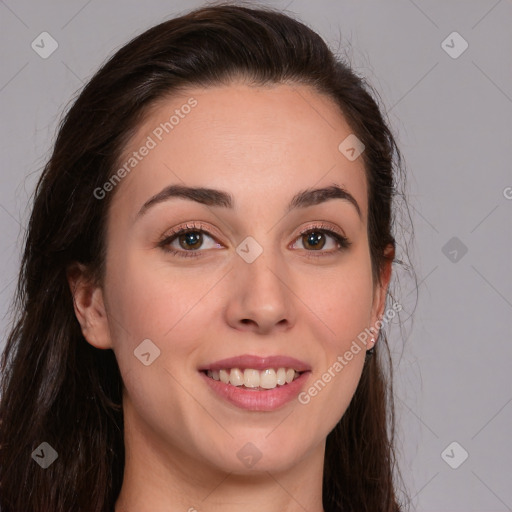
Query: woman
x,y
205,277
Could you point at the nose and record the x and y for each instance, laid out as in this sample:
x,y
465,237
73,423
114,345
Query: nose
x,y
261,299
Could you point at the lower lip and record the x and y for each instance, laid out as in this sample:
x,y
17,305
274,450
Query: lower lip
x,y
267,400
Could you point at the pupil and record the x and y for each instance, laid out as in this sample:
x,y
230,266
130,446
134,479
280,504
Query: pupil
x,y
313,239
190,239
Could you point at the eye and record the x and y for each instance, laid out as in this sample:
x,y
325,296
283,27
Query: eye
x,y
317,238
186,242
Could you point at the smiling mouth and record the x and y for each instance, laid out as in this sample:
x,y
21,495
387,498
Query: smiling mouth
x,y
254,380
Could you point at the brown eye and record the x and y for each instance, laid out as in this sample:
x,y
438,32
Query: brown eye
x,y
314,240
191,240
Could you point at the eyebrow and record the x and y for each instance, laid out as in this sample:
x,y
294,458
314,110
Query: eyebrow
x,y
213,197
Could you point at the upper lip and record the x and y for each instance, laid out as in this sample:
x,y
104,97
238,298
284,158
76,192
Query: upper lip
x,y
258,363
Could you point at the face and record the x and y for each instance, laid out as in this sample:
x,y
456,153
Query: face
x,y
266,275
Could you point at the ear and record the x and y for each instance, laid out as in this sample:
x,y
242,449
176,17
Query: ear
x,y
381,288
89,306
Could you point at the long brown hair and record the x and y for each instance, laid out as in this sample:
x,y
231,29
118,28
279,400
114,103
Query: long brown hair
x,y
56,387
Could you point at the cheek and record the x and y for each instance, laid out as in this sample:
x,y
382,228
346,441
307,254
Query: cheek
x,y
341,300
149,300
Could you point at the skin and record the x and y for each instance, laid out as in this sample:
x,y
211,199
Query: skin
x,y
182,439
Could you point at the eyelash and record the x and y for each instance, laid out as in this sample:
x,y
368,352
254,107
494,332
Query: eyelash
x,y
343,241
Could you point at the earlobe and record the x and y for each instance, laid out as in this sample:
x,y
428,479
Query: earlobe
x,y
89,307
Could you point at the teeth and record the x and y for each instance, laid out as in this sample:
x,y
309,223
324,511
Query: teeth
x,y
236,377
290,375
269,378
251,378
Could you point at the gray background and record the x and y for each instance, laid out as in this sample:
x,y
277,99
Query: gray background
x,y
452,118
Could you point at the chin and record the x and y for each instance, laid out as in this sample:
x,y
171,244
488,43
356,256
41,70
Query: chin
x,y
252,454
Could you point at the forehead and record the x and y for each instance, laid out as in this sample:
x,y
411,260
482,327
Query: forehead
x,y
257,142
